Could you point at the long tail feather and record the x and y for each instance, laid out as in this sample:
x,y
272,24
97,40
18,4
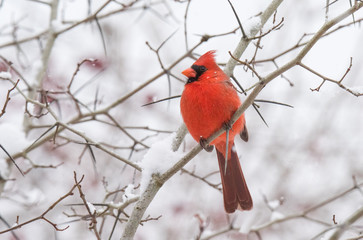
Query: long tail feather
x,y
235,191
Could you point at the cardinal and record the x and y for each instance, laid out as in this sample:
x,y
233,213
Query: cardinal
x,y
207,104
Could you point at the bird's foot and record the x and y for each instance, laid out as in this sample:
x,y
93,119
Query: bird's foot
x,y
205,145
227,126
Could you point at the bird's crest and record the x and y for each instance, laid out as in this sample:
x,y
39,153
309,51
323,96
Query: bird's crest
x,y
207,60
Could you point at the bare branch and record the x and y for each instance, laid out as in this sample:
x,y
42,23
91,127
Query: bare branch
x,y
338,82
7,99
93,223
42,216
305,212
12,159
346,224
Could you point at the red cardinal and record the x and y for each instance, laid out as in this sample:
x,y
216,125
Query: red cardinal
x,y
208,102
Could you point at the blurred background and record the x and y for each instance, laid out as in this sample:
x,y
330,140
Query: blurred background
x,y
307,154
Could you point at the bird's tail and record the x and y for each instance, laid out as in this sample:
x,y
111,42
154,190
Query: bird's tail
x,y
235,191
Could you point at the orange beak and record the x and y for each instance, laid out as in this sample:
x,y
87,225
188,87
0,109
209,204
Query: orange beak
x,y
189,72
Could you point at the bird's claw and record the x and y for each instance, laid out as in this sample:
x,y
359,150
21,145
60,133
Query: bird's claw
x,y
227,126
205,145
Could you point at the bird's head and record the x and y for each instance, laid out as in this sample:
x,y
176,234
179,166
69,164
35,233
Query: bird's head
x,y
206,63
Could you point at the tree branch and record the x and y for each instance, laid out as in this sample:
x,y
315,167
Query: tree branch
x,y
45,59
244,42
42,216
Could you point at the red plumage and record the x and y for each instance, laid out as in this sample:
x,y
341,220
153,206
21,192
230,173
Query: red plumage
x,y
208,102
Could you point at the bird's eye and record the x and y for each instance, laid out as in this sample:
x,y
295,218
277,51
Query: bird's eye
x,y
202,69
199,70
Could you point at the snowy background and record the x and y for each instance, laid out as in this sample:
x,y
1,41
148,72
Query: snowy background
x,y
308,154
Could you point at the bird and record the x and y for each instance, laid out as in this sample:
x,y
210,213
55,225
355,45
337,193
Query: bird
x,y
207,104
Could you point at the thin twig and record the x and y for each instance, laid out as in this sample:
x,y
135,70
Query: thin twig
x,y
93,223
7,99
42,216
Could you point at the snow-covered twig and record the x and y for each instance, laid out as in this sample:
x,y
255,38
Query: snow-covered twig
x,y
244,42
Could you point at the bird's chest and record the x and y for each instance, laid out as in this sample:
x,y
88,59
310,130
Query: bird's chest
x,y
206,108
